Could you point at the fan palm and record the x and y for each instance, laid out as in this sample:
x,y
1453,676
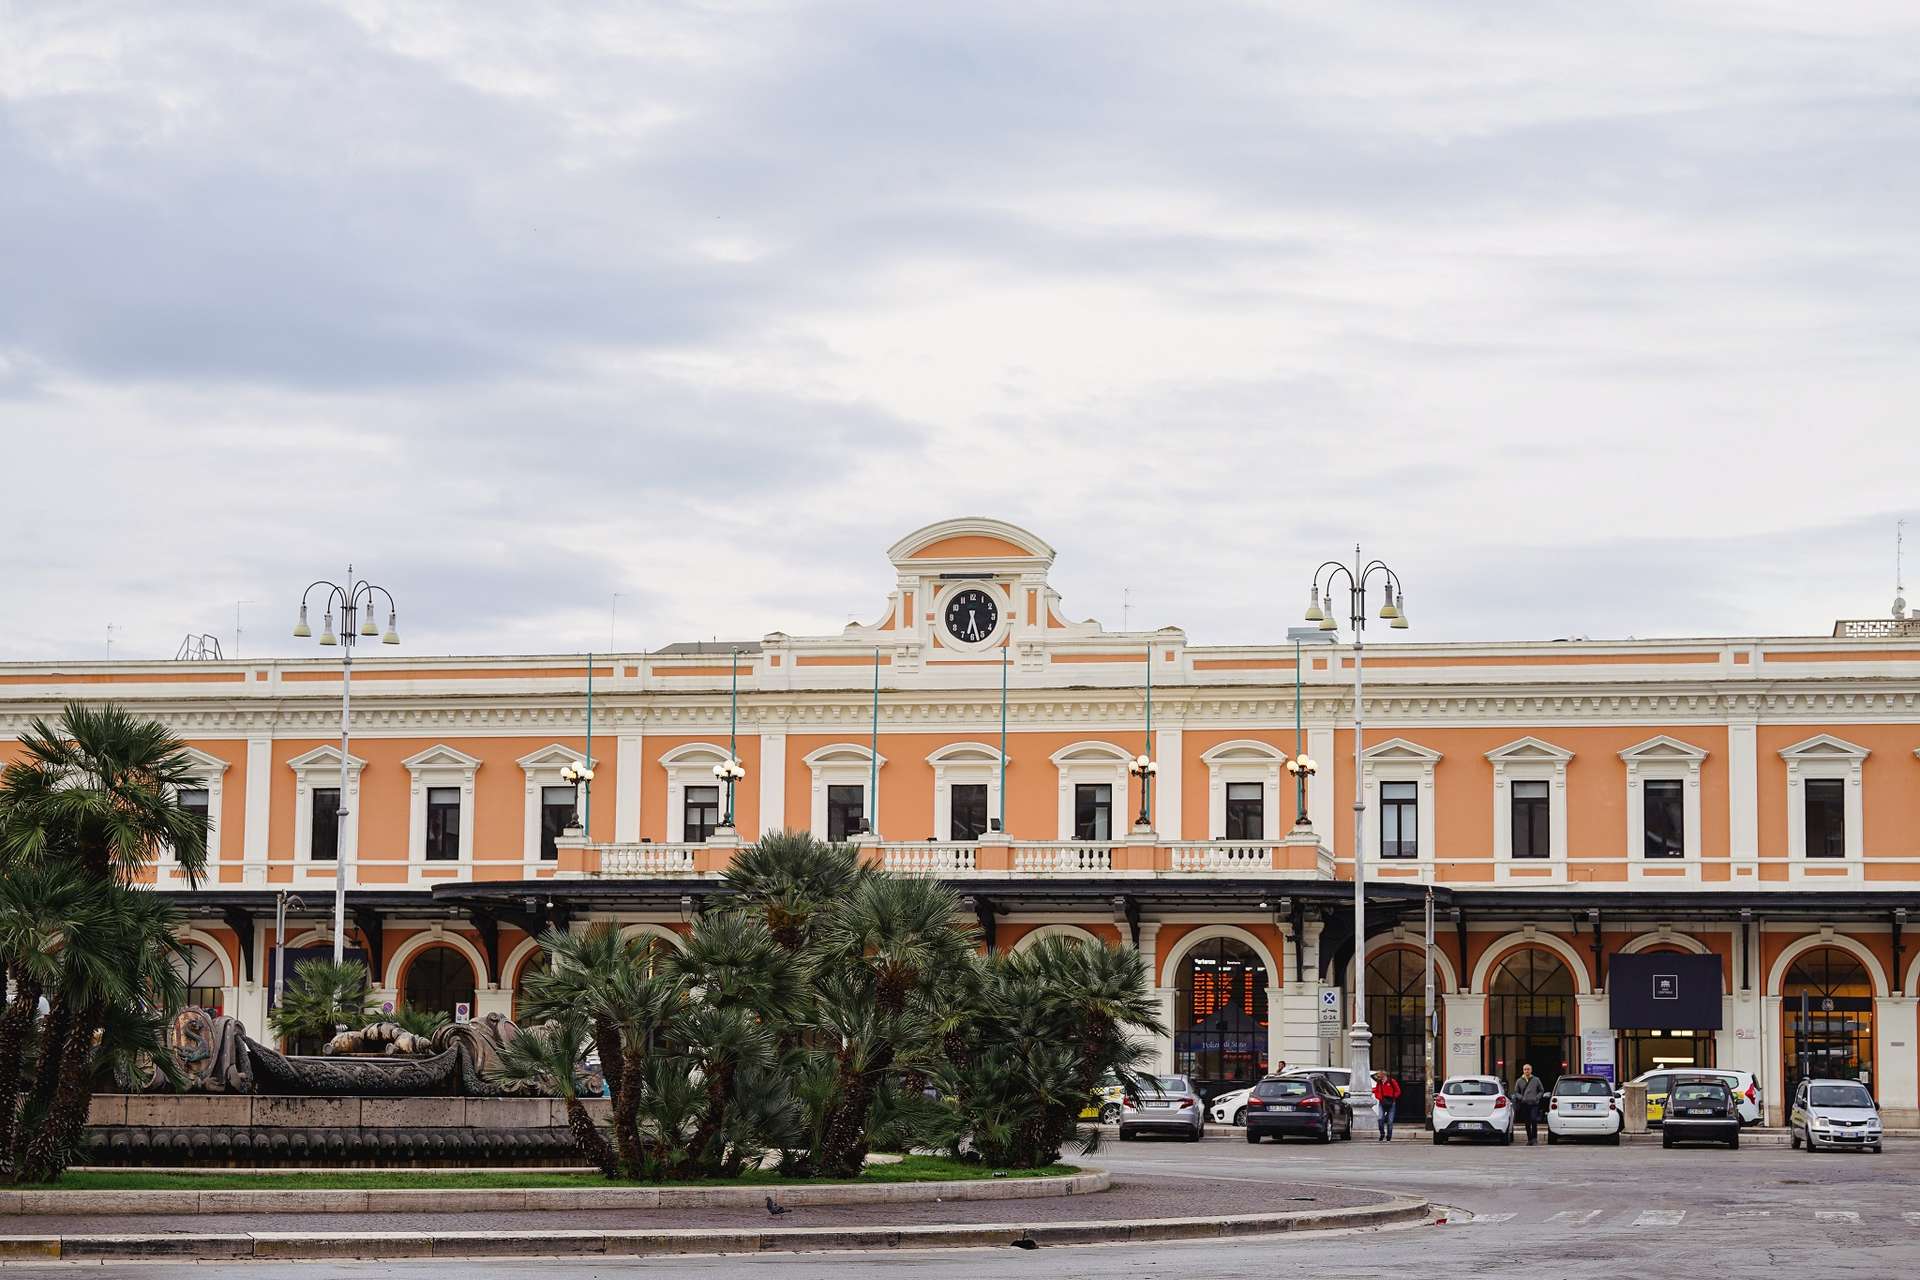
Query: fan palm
x,y
549,1058
322,996
790,879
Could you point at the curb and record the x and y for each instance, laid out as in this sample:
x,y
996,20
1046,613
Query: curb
x,y
1086,1182
345,1245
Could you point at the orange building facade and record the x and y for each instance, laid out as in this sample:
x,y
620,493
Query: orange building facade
x,y
1567,807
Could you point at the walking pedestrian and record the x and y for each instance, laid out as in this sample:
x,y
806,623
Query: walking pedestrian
x,y
1529,1092
1386,1092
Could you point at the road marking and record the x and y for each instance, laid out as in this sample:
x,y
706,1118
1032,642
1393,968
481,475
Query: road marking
x,y
1750,1213
1912,1217
1837,1215
1489,1219
1659,1217
1574,1217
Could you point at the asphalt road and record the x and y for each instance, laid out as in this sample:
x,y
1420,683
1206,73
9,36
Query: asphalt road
x,y
1573,1213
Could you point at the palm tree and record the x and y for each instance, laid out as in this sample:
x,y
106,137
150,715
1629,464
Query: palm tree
x,y
322,996
549,1058
44,910
790,880
103,791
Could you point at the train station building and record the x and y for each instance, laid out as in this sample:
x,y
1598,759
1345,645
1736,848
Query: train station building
x,y
1638,853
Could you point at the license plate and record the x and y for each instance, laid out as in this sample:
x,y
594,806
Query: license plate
x,y
1161,1105
1697,1111
1586,1106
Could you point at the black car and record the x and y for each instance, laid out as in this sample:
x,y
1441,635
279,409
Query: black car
x,y
1700,1109
1305,1104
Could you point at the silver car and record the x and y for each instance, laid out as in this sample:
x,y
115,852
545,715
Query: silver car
x,y
1163,1104
1834,1113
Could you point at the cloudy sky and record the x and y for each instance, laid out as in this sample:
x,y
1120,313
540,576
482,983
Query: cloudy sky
x,y
1592,319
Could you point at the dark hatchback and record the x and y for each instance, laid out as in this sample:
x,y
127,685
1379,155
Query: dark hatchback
x,y
1306,1105
1700,1109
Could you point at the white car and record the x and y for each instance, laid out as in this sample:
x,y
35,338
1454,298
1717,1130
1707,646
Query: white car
x,y
1473,1107
1835,1113
1583,1107
1745,1089
1231,1108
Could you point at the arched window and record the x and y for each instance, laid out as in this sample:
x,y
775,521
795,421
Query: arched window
x,y
1397,1014
1826,1014
201,969
1220,1031
1530,1017
438,978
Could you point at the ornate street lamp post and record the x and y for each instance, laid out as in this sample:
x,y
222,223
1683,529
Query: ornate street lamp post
x,y
350,599
1144,769
1393,609
580,778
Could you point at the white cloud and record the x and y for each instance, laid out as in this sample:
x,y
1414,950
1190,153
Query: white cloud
x,y
1593,320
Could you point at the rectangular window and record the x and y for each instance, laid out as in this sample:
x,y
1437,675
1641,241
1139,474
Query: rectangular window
x,y
198,801
1399,819
326,824
556,815
1246,811
699,813
846,811
1663,807
969,802
1826,817
1530,835
1093,811
443,824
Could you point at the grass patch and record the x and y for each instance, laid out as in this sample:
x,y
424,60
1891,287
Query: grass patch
x,y
911,1169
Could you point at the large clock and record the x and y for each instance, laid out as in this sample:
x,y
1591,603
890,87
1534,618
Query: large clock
x,y
972,615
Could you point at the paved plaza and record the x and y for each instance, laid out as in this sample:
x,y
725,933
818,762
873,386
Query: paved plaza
x,y
1568,1212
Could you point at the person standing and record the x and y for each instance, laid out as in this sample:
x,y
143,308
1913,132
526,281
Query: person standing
x,y
1386,1092
1529,1091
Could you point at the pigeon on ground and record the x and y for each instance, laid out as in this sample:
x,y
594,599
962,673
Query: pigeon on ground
x,y
775,1208
1026,1242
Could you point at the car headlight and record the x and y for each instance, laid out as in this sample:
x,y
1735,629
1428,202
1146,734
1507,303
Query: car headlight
x,y
1819,1122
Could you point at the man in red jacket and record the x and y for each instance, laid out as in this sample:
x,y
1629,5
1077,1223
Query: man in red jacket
x,y
1386,1091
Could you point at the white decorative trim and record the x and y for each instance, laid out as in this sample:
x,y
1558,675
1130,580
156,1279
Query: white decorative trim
x,y
1665,759
1244,760
647,929
517,959
210,771
1074,931
439,766
842,764
1398,760
963,763
1500,947
219,949
397,962
1530,759
1777,975
542,769
1446,979
1091,761
320,769
1825,756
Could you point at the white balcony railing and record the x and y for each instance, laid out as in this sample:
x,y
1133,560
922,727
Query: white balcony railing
x,y
929,859
1226,857
645,860
1062,858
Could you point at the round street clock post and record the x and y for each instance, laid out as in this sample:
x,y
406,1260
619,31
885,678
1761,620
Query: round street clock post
x,y
972,615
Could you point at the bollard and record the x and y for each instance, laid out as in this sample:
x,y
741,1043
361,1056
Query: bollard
x,y
1633,1105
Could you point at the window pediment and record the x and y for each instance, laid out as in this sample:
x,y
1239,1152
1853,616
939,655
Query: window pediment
x,y
1824,746
555,756
440,756
1529,750
966,753
841,753
1091,752
1663,748
206,765
1400,751
1243,750
327,757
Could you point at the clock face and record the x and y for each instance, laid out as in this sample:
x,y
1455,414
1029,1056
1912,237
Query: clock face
x,y
972,615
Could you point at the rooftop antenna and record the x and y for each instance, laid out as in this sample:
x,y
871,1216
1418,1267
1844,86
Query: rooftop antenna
x,y
1899,569
1126,607
109,642
237,629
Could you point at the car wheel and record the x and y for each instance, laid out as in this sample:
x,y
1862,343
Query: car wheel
x,y
1326,1130
1793,1139
1125,1136
1252,1136
1240,1116
1733,1143
1615,1139
1196,1135
1876,1148
1346,1134
1553,1139
1439,1138
1811,1149
1110,1114
1666,1140
1506,1139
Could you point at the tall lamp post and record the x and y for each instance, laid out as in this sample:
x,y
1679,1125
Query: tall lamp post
x,y
1144,769
730,770
1393,609
350,599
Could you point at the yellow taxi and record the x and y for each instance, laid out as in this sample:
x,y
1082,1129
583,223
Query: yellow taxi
x,y
1659,1082
1104,1106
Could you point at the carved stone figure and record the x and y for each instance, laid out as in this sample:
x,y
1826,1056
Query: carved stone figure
x,y
389,1038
